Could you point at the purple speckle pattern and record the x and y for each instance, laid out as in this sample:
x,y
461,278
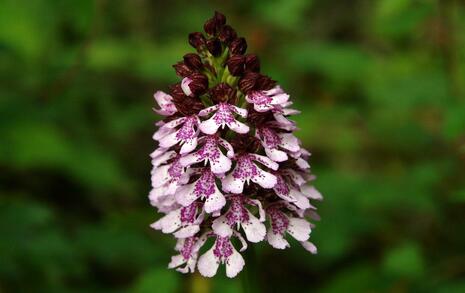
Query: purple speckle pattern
x,y
237,212
188,214
209,150
187,131
223,248
269,137
205,186
245,168
279,221
188,247
228,165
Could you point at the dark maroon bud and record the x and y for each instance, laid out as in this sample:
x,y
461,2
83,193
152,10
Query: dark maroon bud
x,y
214,47
252,63
193,61
245,143
258,118
213,25
220,19
210,27
198,84
222,92
182,69
185,105
235,64
196,40
238,46
248,81
227,34
264,83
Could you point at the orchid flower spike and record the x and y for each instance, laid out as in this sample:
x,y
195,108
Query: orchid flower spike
x,y
228,165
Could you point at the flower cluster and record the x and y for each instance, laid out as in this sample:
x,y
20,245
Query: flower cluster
x,y
228,165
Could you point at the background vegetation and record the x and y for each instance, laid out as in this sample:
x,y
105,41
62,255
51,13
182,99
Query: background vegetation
x,y
381,86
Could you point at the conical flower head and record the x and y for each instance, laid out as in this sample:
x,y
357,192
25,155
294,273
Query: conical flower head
x,y
228,164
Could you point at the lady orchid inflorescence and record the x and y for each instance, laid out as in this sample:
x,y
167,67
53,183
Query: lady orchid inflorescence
x,y
228,166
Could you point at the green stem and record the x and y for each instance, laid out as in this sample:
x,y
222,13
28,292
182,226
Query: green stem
x,y
249,276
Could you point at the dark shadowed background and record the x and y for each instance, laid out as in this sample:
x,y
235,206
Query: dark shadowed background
x,y
381,87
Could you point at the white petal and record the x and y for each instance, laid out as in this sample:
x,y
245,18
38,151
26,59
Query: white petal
x,y
189,160
234,264
302,164
254,230
209,126
185,86
176,261
168,223
208,264
187,231
310,247
160,176
311,192
264,179
215,201
188,146
266,161
227,146
185,195
163,158
289,142
241,112
208,110
221,227
238,127
276,155
169,140
301,202
276,240
220,165
299,229
233,185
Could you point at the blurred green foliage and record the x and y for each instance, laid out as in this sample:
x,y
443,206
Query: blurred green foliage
x,y
381,87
